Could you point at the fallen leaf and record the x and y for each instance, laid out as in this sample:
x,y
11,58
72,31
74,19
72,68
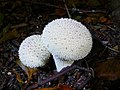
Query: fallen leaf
x,y
64,87
58,87
108,70
18,78
8,35
4,31
49,89
30,72
116,48
103,28
60,12
109,21
103,19
27,70
89,19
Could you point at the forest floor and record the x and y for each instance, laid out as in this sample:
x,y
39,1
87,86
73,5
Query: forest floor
x,y
22,18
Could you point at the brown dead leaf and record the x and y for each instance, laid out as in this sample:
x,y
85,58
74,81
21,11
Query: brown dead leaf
x,y
9,35
30,72
103,19
103,28
18,78
64,87
89,19
27,70
60,12
108,70
4,31
109,21
59,87
48,89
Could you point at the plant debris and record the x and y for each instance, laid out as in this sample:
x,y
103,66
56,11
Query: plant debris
x,y
22,18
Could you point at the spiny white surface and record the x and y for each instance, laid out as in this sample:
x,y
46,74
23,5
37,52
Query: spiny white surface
x,y
67,39
32,53
60,64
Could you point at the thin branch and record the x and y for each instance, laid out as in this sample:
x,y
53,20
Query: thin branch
x,y
67,9
73,9
90,28
63,71
19,25
111,28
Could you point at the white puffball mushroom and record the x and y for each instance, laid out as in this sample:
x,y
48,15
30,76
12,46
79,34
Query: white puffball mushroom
x,y
32,53
68,40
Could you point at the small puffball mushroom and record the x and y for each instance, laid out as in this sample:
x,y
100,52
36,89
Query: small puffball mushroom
x,y
68,40
32,53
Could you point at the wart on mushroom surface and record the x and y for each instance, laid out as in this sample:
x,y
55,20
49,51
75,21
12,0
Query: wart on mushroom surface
x,y
32,53
68,40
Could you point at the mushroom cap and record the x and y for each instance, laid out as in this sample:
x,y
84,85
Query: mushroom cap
x,y
67,39
32,53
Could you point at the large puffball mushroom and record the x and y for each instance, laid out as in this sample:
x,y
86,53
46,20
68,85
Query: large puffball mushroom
x,y
32,53
68,40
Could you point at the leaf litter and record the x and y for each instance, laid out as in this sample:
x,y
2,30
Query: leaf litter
x,y
20,19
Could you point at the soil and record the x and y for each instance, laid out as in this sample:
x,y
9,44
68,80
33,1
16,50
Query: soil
x,y
22,18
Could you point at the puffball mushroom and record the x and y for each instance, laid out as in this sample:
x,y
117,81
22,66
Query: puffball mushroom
x,y
32,53
68,40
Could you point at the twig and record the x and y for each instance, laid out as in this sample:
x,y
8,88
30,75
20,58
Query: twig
x,y
85,82
90,28
63,71
19,25
111,28
73,9
86,64
113,49
67,9
91,11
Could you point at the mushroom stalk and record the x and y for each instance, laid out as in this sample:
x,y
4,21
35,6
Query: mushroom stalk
x,y
60,64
